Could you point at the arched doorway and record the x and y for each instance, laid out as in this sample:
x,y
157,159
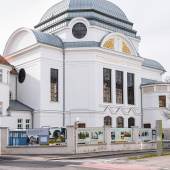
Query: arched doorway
x,y
120,122
107,121
131,122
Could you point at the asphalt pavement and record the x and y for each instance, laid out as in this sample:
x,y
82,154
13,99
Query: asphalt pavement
x,y
107,162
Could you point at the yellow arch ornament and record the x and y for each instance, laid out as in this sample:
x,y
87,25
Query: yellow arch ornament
x,y
109,44
125,48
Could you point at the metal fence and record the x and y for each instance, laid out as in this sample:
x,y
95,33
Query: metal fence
x,y
17,138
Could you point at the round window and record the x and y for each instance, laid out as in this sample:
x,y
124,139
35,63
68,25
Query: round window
x,y
22,75
79,30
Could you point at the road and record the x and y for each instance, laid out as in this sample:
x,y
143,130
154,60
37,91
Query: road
x,y
106,163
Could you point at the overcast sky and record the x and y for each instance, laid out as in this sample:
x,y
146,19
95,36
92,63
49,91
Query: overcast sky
x,y
151,19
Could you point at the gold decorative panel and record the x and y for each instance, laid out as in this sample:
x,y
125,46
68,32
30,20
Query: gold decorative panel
x,y
109,44
125,48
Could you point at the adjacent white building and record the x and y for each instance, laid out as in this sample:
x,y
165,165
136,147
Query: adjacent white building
x,y
80,63
156,103
13,113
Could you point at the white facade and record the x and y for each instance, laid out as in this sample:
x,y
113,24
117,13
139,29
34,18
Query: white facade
x,y
152,108
4,89
80,63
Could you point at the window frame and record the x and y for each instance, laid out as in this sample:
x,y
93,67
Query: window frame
x,y
163,104
128,89
130,120
119,91
54,95
107,98
27,124
118,123
20,123
107,121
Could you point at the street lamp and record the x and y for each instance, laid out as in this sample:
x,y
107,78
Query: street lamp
x,y
76,126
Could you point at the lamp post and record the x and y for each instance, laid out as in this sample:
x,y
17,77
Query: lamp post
x,y
76,127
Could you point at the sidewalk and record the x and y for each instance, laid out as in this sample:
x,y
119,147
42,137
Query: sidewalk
x,y
76,156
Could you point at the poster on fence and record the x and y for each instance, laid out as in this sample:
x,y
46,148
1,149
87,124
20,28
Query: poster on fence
x,y
121,135
37,136
90,136
145,134
57,136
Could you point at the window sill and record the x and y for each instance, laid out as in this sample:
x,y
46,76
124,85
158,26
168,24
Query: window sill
x,y
54,101
105,103
132,105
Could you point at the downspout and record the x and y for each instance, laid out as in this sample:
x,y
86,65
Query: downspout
x,y
63,85
16,90
142,125
32,117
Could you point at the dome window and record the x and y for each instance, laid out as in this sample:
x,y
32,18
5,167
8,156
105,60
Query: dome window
x,y
125,48
22,75
109,44
79,30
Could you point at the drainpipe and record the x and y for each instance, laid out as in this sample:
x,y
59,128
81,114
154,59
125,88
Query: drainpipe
x,y
142,125
16,90
63,85
32,117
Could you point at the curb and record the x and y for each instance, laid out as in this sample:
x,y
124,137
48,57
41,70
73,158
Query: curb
x,y
100,155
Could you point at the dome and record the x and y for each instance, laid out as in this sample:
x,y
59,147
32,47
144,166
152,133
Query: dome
x,y
100,13
153,64
102,6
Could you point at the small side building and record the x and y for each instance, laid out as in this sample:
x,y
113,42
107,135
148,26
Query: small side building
x,y
12,112
156,104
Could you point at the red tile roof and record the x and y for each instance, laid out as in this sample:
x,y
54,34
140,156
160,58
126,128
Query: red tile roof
x,y
3,61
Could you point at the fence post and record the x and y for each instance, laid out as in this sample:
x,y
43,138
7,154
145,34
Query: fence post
x,y
3,139
107,133
71,139
135,134
159,134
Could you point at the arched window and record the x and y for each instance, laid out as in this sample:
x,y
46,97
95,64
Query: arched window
x,y
120,122
108,121
109,44
120,43
131,122
125,48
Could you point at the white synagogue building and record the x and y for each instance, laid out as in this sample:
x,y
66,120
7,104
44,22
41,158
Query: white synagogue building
x,y
81,63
